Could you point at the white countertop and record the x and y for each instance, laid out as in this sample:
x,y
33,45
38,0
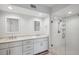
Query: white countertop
x,y
21,38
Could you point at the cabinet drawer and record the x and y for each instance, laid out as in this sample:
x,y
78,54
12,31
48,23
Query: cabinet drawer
x,y
18,43
15,50
3,45
27,42
36,51
41,39
26,48
4,52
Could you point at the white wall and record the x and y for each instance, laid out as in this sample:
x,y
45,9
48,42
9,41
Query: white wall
x,y
26,23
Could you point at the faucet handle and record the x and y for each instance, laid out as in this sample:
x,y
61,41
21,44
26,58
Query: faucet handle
x,y
10,37
14,37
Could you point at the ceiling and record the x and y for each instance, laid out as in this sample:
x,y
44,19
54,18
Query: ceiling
x,y
38,7
57,10
64,12
16,9
48,5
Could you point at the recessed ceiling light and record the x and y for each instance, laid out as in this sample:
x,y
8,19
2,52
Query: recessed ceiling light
x,y
9,7
70,12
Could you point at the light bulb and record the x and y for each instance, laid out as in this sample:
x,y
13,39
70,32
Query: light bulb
x,y
9,7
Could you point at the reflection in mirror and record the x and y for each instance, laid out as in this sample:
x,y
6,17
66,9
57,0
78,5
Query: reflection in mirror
x,y
13,25
36,25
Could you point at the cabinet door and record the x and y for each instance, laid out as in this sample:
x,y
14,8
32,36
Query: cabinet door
x,y
40,45
4,52
36,47
15,50
44,45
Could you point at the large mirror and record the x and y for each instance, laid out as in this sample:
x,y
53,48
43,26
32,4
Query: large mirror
x,y
36,25
12,25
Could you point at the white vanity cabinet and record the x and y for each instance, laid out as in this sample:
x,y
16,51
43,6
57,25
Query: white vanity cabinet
x,y
40,45
15,50
28,47
11,48
4,49
24,47
4,52
11,51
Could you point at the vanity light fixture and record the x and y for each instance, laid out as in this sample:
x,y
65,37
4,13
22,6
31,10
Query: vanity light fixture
x,y
9,7
70,12
40,14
